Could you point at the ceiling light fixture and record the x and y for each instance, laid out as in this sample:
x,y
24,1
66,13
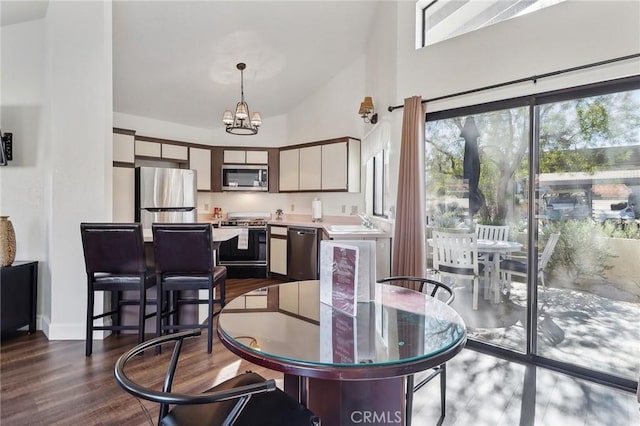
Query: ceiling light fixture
x,y
239,123
366,108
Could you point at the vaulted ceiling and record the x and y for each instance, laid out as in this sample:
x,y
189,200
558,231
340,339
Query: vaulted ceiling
x,y
176,60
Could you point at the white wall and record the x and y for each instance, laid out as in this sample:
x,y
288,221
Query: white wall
x,y
57,91
566,35
332,111
381,82
22,112
271,134
80,107
381,59
162,129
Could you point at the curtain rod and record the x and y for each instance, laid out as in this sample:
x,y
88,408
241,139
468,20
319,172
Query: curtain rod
x,y
533,78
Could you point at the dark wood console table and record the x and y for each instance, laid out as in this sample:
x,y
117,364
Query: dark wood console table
x,y
18,288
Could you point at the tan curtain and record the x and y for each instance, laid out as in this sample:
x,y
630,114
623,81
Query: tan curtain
x,y
409,247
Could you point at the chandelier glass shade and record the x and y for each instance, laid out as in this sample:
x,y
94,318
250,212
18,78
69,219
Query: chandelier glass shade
x,y
241,121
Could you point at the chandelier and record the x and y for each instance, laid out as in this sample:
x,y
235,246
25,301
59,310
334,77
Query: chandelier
x,y
239,123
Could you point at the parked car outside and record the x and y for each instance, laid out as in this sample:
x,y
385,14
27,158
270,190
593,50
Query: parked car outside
x,y
566,206
625,214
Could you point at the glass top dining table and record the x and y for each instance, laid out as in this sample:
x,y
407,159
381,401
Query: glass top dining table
x,y
399,332
343,367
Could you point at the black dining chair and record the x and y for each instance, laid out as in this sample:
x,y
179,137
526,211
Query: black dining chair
x,y
247,399
445,294
115,262
184,261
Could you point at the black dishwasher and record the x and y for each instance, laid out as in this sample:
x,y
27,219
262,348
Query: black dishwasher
x,y
302,254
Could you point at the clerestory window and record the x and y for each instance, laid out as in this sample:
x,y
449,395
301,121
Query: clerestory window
x,y
444,19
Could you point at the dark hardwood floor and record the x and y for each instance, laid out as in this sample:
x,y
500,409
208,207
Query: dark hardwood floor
x,y
53,383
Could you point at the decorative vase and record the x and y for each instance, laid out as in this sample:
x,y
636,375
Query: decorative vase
x,y
7,242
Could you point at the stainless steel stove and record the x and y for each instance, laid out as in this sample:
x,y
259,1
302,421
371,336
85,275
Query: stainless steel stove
x,y
246,219
245,256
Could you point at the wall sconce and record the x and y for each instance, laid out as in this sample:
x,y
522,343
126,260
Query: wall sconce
x,y
366,108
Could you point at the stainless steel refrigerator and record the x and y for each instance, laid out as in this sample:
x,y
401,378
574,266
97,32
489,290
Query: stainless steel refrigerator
x,y
165,196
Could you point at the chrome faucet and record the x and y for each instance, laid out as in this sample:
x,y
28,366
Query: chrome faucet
x,y
365,220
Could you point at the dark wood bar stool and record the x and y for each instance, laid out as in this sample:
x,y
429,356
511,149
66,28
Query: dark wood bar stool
x,y
184,261
115,262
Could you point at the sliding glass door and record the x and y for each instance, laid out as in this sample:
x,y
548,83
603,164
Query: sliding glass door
x,y
588,192
486,189
561,171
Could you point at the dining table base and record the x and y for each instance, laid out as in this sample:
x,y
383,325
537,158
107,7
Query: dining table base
x,y
351,402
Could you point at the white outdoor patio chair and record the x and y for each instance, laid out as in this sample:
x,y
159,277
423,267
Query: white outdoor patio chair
x,y
456,255
494,233
520,268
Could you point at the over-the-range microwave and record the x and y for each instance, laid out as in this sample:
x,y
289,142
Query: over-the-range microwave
x,y
243,177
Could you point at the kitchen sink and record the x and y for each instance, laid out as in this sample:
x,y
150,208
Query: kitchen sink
x,y
350,228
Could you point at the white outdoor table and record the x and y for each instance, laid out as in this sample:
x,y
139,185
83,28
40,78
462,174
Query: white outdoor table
x,y
498,249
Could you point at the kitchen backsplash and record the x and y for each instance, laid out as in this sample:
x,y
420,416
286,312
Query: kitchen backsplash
x,y
333,204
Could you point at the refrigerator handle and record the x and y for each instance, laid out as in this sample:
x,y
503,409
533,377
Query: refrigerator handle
x,y
167,209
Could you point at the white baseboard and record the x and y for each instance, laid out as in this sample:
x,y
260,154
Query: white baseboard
x,y
69,331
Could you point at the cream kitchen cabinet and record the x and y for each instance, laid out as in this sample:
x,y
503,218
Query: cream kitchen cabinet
x,y
234,156
310,169
174,152
341,166
200,161
278,250
288,169
332,165
148,149
166,151
257,157
123,148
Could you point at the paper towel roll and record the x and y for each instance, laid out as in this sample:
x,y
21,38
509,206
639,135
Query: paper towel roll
x,y
316,209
